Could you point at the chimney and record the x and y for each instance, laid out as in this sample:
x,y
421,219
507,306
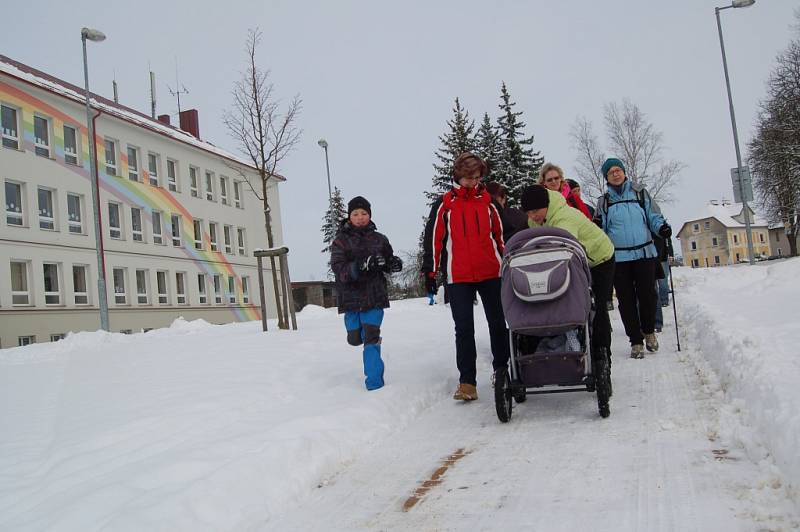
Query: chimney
x,y
164,119
190,122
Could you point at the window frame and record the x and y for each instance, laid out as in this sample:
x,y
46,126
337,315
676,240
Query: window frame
x,y
181,296
197,226
53,295
153,171
6,134
217,285
209,185
46,223
27,339
162,296
142,297
245,289
41,146
175,227
223,190
55,337
112,165
158,236
202,288
213,236
112,230
16,215
134,170
137,235
696,228
77,222
241,241
232,300
74,155
172,176
120,298
26,269
227,239
75,293
237,194
714,242
194,189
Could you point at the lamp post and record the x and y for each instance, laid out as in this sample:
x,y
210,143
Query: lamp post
x,y
324,144
96,36
746,210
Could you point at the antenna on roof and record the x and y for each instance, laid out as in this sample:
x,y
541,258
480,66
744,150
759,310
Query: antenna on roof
x,y
179,89
114,83
152,95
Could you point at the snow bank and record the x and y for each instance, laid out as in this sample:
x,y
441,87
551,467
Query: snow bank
x,y
740,325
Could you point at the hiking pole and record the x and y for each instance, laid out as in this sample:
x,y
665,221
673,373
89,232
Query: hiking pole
x,y
671,254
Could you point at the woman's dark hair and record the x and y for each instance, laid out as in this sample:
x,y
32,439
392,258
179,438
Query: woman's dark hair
x,y
572,184
466,163
496,190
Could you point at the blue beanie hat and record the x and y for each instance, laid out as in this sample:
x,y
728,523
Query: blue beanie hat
x,y
608,164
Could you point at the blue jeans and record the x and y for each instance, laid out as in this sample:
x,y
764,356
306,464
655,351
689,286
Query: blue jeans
x,y
663,286
365,327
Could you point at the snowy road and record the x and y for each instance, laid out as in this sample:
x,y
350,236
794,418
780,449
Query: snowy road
x,y
653,465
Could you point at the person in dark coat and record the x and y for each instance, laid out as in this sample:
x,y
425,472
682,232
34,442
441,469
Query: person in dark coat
x,y
514,220
575,192
466,223
360,259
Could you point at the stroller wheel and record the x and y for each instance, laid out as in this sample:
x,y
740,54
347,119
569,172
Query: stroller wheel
x,y
502,395
603,382
519,392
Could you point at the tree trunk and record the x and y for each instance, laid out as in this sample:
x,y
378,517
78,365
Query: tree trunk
x,y
268,226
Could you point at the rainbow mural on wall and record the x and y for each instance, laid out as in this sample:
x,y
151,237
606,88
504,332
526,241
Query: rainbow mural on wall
x,y
132,193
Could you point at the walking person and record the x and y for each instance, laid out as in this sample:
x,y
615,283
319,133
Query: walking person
x,y
629,216
547,208
551,177
360,259
466,223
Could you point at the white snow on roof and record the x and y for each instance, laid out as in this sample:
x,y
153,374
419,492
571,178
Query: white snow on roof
x,y
120,111
725,213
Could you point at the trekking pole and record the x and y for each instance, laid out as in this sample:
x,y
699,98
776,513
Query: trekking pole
x,y
670,254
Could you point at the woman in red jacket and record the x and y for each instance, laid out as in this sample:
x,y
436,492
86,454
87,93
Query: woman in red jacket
x,y
464,239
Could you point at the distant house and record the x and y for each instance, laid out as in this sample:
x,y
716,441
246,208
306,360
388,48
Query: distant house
x,y
718,236
321,293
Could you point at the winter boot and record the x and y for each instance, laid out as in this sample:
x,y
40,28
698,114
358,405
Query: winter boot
x,y
466,392
651,342
637,351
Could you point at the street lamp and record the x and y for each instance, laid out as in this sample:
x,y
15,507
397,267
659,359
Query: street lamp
x,y
96,36
324,144
737,4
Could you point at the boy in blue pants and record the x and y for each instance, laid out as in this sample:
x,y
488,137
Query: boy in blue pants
x,y
361,257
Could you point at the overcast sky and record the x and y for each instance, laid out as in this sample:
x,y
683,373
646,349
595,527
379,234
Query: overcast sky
x,y
378,80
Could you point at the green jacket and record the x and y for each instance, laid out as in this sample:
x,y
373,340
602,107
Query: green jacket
x,y
597,244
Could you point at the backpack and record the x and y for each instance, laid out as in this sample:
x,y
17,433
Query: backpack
x,y
656,239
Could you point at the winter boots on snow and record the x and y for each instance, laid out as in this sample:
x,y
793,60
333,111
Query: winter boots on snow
x,y
466,392
637,351
651,342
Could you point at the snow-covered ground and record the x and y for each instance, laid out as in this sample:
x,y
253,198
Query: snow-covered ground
x,y
205,427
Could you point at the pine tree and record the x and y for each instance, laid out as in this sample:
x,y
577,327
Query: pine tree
x,y
487,144
457,140
337,211
518,165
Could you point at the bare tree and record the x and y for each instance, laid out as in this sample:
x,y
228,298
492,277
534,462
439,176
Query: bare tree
x,y
589,158
265,134
632,138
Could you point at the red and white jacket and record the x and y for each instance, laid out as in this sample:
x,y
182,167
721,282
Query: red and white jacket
x,y
464,236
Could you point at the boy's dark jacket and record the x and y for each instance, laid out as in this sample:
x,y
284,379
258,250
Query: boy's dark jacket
x,y
357,290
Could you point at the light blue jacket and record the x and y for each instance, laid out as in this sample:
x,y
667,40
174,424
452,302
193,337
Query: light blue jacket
x,y
628,225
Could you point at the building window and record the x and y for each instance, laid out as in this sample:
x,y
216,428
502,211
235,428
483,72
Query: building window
x,y
162,287
46,219
74,218
133,163
198,234
114,221
735,239
110,148
707,225
52,290
41,136
695,263
120,296
695,228
210,186
761,237
240,240
231,289
172,176
70,145
126,331
223,190
245,290
217,289
14,210
79,284
55,337
20,293
737,257
176,230
212,233
10,127
693,245
716,260
237,194
141,287
26,340
227,237
152,167
157,228
714,242
201,287
193,182
180,287
136,224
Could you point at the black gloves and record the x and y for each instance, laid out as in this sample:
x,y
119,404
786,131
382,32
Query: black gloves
x,y
430,283
665,231
373,263
394,264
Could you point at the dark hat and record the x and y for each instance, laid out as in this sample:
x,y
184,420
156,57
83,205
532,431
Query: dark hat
x,y
535,197
573,184
608,164
359,202
466,163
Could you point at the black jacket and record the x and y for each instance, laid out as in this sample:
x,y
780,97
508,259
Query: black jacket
x,y
357,290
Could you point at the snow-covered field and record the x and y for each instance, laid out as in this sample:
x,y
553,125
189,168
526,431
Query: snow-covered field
x,y
204,427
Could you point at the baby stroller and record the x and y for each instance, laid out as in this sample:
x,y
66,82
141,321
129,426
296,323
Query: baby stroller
x,y
548,305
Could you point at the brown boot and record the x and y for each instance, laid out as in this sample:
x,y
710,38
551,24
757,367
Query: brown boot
x,y
466,392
